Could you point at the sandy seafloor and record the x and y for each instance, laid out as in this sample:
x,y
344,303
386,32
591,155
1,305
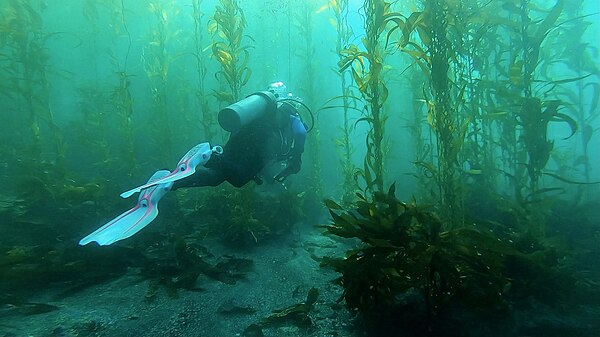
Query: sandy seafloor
x,y
283,273
284,270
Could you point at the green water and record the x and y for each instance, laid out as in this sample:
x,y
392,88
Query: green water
x,y
481,116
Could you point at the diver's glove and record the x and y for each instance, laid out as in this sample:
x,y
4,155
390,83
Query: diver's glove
x,y
292,166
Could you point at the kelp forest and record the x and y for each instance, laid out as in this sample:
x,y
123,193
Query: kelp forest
x,y
449,186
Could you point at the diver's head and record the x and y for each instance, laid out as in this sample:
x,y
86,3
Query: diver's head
x,y
278,89
281,93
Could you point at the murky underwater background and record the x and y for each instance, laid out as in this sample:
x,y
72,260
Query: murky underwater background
x,y
450,183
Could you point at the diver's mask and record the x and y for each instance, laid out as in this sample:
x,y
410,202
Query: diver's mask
x,y
278,89
281,93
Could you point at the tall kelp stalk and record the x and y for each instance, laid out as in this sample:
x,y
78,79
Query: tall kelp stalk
x,y
475,39
443,111
25,68
534,133
121,97
207,120
482,44
303,24
343,142
501,98
423,139
227,28
434,52
93,100
157,61
37,194
530,89
366,67
102,106
580,99
535,113
473,142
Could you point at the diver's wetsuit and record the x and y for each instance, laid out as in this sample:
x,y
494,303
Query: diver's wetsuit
x,y
250,149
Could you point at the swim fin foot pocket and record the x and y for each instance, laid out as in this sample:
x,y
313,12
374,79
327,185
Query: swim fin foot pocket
x,y
146,209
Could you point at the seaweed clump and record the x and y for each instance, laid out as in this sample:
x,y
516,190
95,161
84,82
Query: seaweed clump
x,y
297,315
243,219
178,265
410,276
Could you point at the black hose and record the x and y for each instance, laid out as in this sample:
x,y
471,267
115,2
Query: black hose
x,y
312,116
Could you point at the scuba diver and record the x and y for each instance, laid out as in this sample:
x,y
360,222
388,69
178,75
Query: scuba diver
x,y
278,135
265,128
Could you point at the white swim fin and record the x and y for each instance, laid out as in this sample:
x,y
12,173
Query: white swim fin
x,y
132,221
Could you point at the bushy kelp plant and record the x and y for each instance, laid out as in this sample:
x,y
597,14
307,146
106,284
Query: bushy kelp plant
x,y
410,275
242,217
227,28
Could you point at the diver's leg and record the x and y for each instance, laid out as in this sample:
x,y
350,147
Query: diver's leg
x,y
204,176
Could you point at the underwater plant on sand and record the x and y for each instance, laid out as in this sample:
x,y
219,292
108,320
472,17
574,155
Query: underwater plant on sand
x,y
243,218
177,263
411,276
227,28
294,315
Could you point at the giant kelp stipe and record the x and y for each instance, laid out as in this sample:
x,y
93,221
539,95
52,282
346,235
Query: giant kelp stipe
x,y
448,185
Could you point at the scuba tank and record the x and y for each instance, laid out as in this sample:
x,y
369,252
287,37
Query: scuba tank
x,y
235,116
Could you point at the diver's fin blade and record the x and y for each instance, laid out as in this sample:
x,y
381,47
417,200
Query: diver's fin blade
x,y
123,226
133,220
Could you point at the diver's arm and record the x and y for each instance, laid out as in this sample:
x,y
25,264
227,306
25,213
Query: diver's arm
x,y
299,135
294,161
